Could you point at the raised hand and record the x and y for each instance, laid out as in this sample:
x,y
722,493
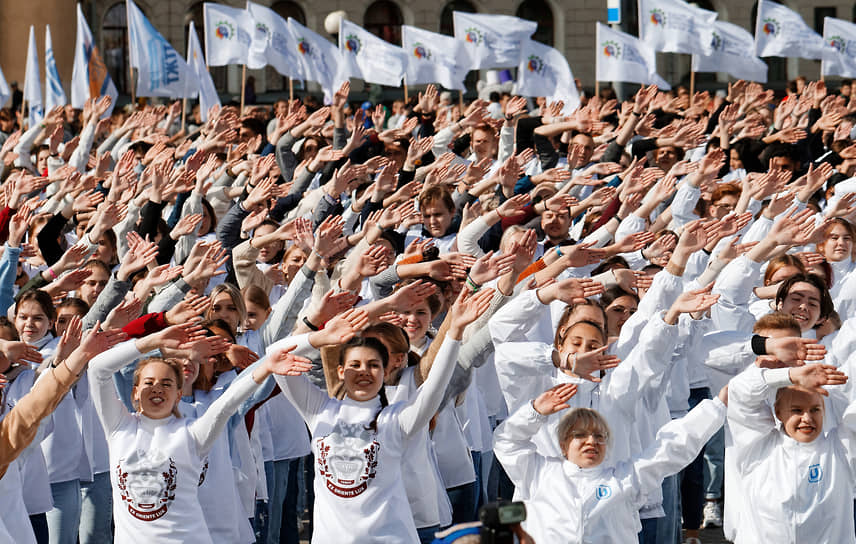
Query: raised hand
x,y
285,363
814,377
127,311
554,399
466,309
340,329
191,307
590,364
489,267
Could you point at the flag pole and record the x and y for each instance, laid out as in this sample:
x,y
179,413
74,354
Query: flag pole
x,y
290,89
692,86
23,101
243,87
405,90
596,87
461,102
183,113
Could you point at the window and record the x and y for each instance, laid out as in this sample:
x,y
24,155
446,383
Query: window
x,y
540,12
819,14
114,36
384,19
288,9
447,23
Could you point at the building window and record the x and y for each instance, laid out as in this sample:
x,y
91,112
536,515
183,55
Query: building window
x,y
447,23
819,14
384,19
540,12
290,9
114,36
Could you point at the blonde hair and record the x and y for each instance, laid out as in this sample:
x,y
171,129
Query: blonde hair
x,y
584,419
173,364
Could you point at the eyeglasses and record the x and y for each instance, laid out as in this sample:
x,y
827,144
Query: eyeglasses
x,y
582,436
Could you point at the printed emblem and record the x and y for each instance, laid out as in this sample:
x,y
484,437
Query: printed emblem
x,y
658,17
473,35
770,27
224,30
611,49
353,43
815,474
347,459
603,492
146,482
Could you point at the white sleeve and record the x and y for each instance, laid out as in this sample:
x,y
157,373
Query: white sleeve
x,y
525,370
750,415
513,446
684,203
24,147
727,351
110,409
665,288
758,230
208,427
520,315
470,235
506,143
442,140
422,408
735,284
80,157
677,443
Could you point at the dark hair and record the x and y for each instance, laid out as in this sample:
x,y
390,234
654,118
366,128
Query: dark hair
x,y
92,264
377,345
207,205
75,303
609,296
42,298
563,327
612,263
826,304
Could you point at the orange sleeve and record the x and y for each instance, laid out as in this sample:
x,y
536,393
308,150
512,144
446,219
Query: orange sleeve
x,y
537,266
411,260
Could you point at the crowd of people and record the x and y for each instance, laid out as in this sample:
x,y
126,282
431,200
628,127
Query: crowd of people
x,y
360,323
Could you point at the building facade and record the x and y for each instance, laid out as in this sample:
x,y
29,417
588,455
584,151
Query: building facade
x,y
567,25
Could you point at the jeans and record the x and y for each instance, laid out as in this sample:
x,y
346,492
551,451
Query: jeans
x,y
714,465
40,528
477,466
692,477
464,499
96,513
282,490
669,527
426,534
64,519
499,485
648,534
260,522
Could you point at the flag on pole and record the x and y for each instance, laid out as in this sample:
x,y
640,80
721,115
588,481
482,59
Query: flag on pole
x,y
227,34
54,95
841,36
674,26
319,58
5,92
271,42
433,58
32,82
160,69
781,32
370,58
200,78
90,78
543,71
733,53
622,57
492,41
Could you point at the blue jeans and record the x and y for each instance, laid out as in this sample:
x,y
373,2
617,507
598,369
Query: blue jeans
x,y
260,522
96,513
64,519
714,465
648,534
669,527
40,528
426,534
692,477
464,499
282,490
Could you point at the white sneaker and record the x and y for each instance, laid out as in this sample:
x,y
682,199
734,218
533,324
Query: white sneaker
x,y
692,540
712,514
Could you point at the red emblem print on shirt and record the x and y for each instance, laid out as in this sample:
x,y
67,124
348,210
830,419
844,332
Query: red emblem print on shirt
x,y
146,482
347,459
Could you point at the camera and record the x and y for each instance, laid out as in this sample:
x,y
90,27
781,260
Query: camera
x,y
497,519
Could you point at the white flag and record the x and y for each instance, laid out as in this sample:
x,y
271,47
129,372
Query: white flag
x,y
781,32
622,57
370,58
543,71
271,42
433,58
492,41
674,26
160,69
227,34
203,82
5,92
733,53
841,36
319,58
32,82
54,95
90,78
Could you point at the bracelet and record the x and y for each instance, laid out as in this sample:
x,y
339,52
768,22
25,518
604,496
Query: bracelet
x,y
471,284
51,272
559,251
318,254
309,324
636,113
759,344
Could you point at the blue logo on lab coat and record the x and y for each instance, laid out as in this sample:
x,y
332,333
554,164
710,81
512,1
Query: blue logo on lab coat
x,y
603,492
815,474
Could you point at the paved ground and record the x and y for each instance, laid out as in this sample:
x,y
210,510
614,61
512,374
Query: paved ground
x,y
712,536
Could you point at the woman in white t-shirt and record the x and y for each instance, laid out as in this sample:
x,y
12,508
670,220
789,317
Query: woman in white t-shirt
x,y
358,441
157,455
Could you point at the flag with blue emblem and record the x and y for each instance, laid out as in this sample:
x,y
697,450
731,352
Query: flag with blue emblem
x,y
54,95
227,34
90,78
492,41
5,92
433,58
33,83
622,57
160,69
370,58
841,36
201,79
674,26
544,71
781,32
272,43
733,52
319,59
